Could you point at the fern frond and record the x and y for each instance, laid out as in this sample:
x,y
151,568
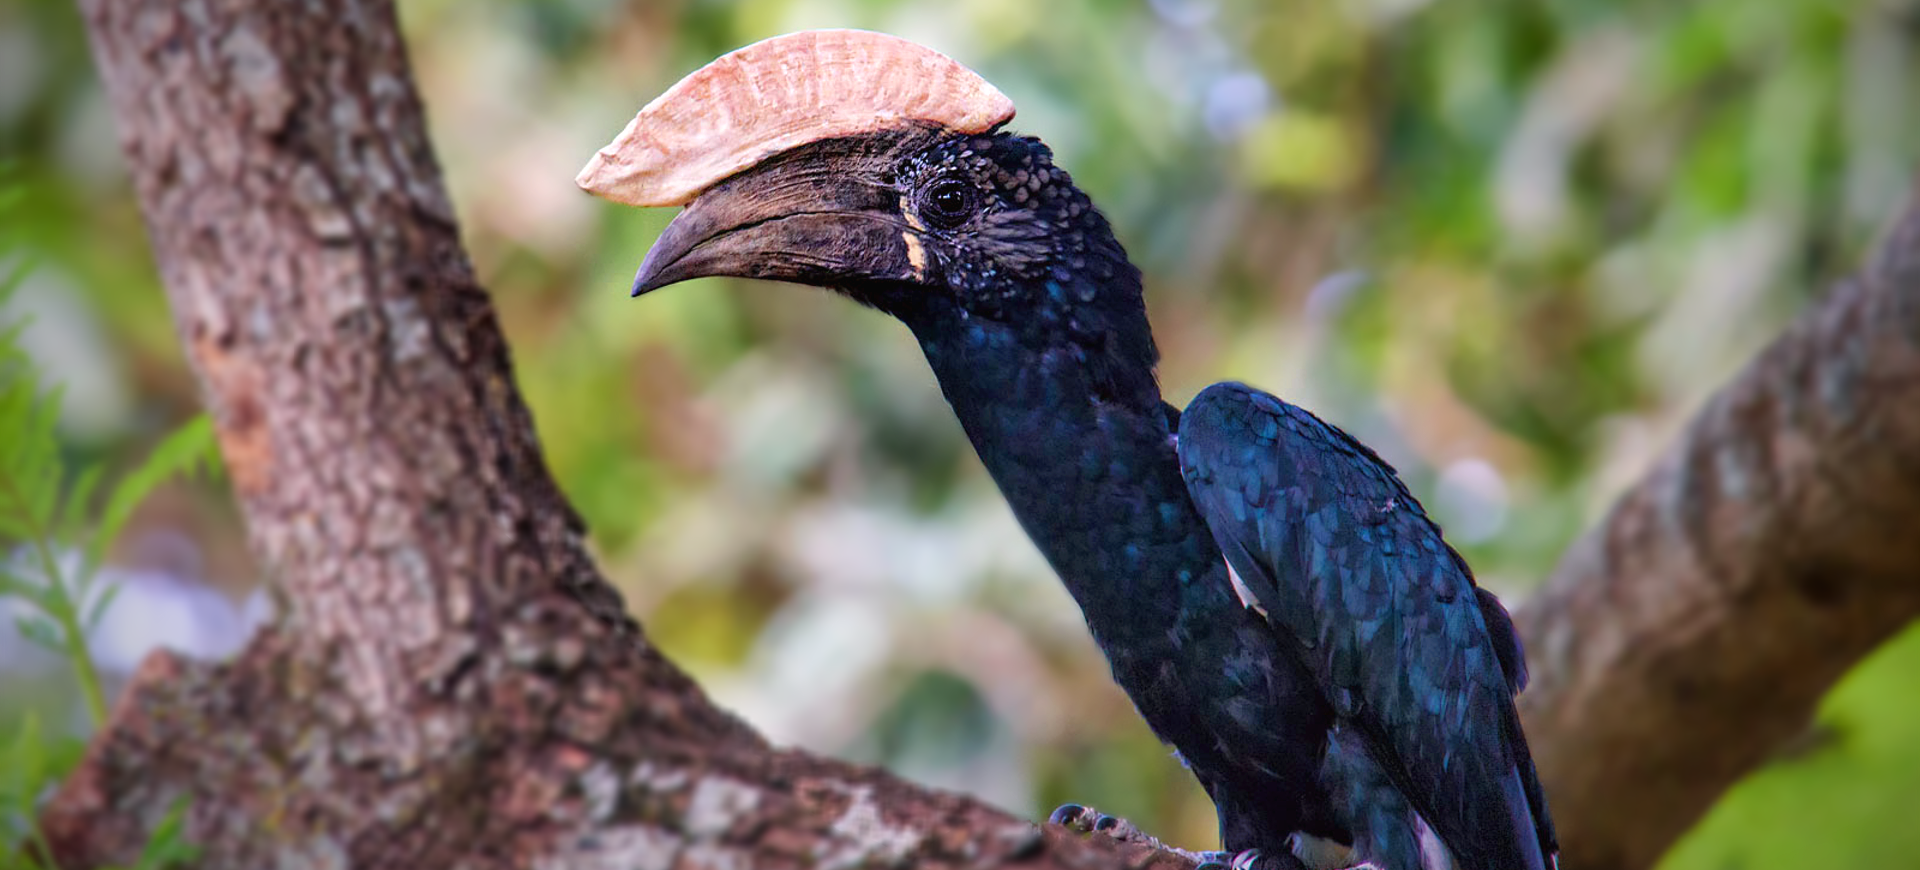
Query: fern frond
x,y
190,450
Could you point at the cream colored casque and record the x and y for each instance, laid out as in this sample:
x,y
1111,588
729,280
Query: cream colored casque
x,y
778,94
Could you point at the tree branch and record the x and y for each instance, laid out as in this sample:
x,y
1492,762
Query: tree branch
x,y
438,696
1774,546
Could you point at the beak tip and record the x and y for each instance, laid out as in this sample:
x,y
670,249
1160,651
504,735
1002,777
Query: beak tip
x,y
672,258
643,281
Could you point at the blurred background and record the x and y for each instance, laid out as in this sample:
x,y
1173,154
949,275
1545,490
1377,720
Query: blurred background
x,y
1513,245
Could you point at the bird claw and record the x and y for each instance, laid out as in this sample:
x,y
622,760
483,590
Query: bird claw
x,y
1214,860
1069,816
1087,820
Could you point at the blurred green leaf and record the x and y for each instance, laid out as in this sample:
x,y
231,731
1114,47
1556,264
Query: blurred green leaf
x,y
167,845
190,449
31,761
41,630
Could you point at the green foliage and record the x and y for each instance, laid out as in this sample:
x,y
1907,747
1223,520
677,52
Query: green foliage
x,y
30,763
46,510
167,847
189,450
41,511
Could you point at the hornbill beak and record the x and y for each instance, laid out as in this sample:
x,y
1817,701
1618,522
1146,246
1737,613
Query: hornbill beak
x,y
812,218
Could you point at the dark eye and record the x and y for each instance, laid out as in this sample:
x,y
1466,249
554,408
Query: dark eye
x,y
947,203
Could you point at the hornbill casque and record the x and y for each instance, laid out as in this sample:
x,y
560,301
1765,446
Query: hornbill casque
x,y
1273,600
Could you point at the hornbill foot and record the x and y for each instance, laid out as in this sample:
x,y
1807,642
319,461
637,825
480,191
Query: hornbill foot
x,y
1087,820
1073,817
1247,860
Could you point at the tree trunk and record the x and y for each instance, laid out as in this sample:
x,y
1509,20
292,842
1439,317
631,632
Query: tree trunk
x,y
456,685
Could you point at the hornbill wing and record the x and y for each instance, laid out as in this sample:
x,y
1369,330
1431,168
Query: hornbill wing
x,y
1343,561
1513,662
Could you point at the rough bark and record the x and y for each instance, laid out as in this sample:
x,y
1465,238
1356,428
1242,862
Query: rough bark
x,y
438,696
457,686
1693,632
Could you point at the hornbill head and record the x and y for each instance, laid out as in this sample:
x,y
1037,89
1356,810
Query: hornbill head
x,y
868,164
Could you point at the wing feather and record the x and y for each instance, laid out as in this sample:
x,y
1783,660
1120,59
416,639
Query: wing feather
x,y
1346,563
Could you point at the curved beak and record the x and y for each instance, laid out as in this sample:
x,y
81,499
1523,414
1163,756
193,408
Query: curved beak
x,y
808,221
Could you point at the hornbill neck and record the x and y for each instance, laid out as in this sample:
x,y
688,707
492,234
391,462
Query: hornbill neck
x,y
1081,448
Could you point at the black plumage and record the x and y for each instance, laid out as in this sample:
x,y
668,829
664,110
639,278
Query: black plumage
x,y
1355,687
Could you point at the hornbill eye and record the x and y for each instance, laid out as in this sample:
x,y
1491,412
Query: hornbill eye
x,y
947,203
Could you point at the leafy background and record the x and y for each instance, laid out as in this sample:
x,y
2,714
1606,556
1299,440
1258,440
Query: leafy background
x,y
1512,244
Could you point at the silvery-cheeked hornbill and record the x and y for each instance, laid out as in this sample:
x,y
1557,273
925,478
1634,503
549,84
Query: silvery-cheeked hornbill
x,y
1266,590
